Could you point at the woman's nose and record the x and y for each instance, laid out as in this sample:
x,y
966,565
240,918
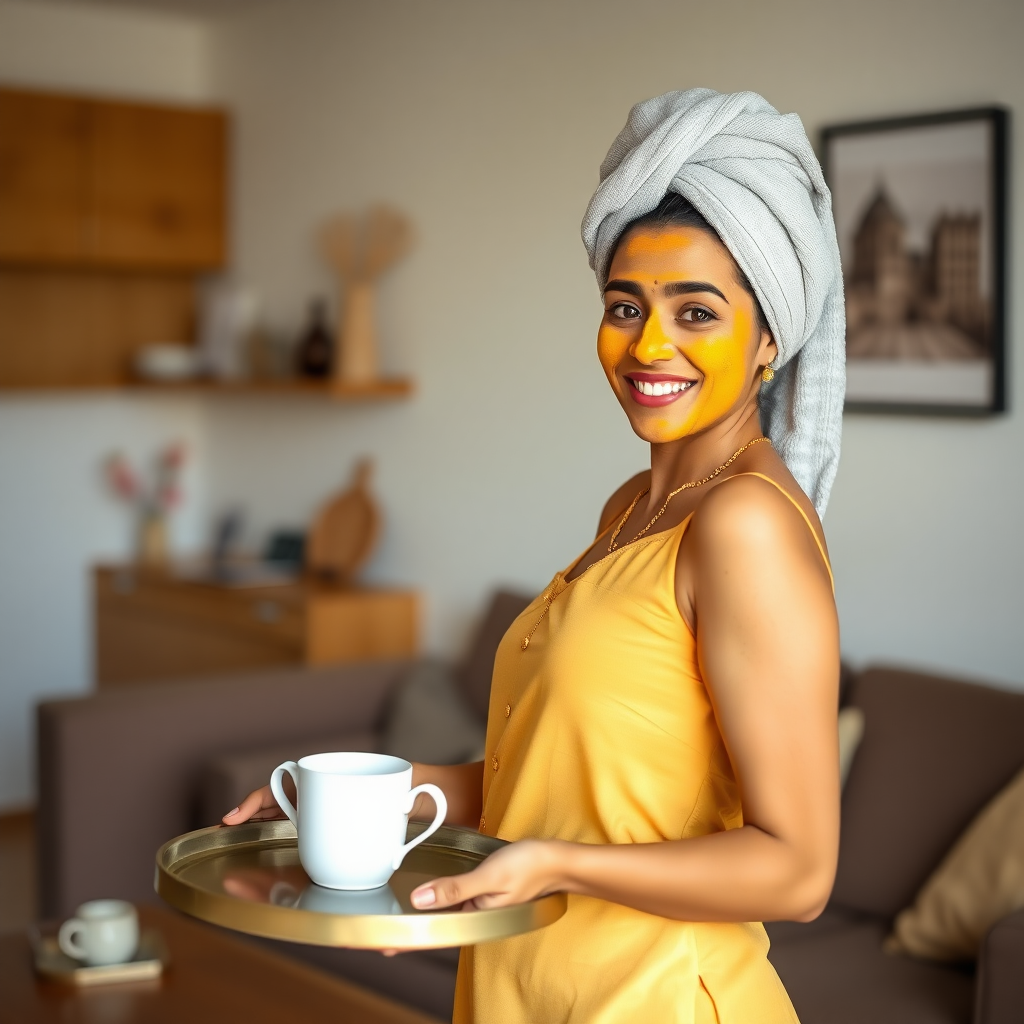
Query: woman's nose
x,y
654,343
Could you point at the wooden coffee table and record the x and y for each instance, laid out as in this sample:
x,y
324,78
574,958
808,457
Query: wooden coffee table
x,y
213,978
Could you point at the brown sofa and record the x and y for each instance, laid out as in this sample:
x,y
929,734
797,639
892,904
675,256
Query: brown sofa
x,y
122,771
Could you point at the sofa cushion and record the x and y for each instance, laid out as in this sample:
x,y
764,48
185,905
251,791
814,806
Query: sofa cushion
x,y
934,752
228,778
980,881
851,732
429,721
836,973
474,675
999,993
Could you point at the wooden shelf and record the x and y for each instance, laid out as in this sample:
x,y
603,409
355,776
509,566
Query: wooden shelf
x,y
340,391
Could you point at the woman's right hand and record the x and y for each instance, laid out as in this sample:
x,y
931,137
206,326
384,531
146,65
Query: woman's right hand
x,y
259,805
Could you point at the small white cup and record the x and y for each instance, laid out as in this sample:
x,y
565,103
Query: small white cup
x,y
352,816
101,932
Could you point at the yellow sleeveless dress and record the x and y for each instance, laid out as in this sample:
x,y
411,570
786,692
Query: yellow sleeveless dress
x,y
602,731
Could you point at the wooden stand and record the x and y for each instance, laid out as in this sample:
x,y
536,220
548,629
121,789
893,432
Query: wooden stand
x,y
150,625
359,251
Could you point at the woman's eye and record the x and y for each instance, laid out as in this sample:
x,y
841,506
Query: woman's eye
x,y
625,311
697,314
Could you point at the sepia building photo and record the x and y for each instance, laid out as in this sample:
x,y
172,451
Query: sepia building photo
x,y
919,207
907,304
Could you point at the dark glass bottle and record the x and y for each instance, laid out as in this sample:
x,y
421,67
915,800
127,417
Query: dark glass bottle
x,y
315,351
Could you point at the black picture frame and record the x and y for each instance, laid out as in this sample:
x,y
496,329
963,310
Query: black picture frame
x,y
921,338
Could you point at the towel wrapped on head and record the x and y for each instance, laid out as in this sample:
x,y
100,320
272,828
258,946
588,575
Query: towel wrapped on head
x,y
751,173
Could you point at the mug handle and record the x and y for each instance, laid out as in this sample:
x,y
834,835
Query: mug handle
x,y
441,805
278,790
66,939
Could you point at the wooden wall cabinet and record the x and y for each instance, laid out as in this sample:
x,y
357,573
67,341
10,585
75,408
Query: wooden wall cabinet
x,y
151,626
44,178
158,187
101,184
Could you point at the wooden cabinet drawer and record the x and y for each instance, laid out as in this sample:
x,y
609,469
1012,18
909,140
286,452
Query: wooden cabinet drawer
x,y
150,626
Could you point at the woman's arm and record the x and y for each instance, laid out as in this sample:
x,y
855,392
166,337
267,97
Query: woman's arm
x,y
462,785
769,652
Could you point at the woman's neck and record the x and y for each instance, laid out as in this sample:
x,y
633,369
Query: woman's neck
x,y
674,463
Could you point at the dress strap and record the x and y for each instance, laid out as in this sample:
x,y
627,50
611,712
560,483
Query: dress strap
x,y
797,506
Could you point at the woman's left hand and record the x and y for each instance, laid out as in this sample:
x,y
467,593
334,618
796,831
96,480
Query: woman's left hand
x,y
514,874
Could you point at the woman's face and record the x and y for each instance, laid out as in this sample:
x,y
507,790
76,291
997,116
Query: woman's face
x,y
679,340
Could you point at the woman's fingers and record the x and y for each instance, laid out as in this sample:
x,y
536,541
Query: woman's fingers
x,y
259,805
516,873
455,890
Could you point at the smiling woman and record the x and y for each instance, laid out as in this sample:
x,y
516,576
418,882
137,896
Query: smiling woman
x,y
662,738
665,312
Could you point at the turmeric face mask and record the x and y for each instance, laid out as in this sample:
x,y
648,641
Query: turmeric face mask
x,y
679,340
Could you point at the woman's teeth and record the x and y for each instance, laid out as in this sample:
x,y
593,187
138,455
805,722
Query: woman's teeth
x,y
668,387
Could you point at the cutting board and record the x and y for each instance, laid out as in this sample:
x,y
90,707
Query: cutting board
x,y
344,532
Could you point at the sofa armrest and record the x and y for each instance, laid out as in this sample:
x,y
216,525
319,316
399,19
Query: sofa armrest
x,y
999,989
119,771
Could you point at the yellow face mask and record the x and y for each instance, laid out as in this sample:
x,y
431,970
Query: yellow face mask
x,y
679,341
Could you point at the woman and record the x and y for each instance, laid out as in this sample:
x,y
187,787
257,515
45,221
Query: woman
x,y
662,734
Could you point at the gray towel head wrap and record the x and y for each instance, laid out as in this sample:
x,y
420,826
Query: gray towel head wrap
x,y
751,173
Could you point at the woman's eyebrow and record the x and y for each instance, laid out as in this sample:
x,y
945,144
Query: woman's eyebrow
x,y
670,289
688,287
629,287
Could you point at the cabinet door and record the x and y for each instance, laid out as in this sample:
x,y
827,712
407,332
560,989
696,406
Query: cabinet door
x,y
158,187
44,178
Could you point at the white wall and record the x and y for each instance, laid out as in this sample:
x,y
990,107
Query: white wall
x,y
101,49
55,517
487,122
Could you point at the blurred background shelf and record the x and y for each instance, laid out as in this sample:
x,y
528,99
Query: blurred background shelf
x,y
340,391
385,387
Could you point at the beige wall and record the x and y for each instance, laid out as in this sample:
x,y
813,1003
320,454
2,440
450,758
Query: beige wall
x,y
55,518
104,49
487,121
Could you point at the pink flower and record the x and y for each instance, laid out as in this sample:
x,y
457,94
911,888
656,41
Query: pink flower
x,y
174,456
121,478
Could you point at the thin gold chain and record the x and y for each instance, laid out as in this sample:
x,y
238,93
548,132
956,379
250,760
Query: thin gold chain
x,y
553,590
612,545
549,595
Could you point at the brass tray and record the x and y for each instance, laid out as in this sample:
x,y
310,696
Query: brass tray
x,y
248,878
51,962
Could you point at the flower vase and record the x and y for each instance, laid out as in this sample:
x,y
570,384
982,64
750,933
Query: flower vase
x,y
152,541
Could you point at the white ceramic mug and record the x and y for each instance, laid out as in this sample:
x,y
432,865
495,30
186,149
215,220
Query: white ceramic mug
x,y
352,816
101,932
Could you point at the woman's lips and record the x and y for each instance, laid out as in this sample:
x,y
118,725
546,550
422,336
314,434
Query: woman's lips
x,y
656,389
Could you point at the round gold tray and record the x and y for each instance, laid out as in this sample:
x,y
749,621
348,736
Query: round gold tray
x,y
248,878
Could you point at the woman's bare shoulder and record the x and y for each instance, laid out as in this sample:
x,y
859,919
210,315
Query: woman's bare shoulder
x,y
619,501
748,516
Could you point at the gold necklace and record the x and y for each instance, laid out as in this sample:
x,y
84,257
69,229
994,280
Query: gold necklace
x,y
612,545
556,586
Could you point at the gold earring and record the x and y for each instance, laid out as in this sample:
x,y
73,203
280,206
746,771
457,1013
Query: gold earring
x,y
768,374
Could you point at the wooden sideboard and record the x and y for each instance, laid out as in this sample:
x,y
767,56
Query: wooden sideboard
x,y
153,625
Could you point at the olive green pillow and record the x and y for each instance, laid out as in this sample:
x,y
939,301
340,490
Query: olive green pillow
x,y
980,881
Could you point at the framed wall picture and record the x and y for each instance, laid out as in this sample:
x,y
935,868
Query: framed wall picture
x,y
920,209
